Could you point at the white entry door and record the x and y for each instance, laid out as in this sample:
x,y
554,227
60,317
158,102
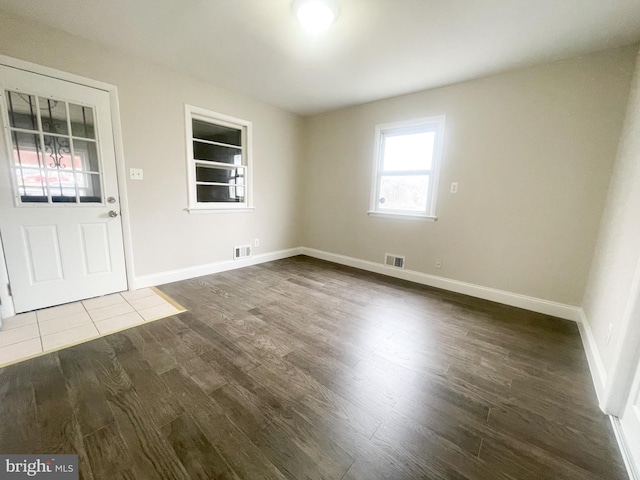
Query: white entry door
x,y
59,206
630,421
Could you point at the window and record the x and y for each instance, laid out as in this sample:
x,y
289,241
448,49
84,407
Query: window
x,y
219,156
54,151
406,168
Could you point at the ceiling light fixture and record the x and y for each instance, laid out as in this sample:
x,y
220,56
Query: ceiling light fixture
x,y
316,16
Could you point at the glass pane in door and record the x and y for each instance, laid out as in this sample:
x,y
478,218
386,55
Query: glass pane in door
x,y
59,162
53,114
22,111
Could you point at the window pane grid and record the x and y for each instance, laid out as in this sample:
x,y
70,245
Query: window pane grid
x,y
219,152
211,164
209,142
51,164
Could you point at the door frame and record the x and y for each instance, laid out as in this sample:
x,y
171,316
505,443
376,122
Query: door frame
x,y
627,354
8,309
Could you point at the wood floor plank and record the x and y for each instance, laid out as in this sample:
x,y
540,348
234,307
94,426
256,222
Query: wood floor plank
x,y
201,459
303,369
17,409
562,439
108,452
151,453
87,397
159,403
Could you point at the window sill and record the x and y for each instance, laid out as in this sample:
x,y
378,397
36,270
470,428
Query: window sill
x,y
404,216
201,210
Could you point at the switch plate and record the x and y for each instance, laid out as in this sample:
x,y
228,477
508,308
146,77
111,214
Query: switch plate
x,y
135,174
256,242
438,264
454,187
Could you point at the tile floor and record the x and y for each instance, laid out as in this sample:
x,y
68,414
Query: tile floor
x,y
29,334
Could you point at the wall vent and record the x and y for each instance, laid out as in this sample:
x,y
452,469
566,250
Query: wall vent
x,y
243,251
392,260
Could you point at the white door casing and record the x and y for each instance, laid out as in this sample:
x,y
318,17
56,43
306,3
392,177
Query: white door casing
x,y
57,252
630,422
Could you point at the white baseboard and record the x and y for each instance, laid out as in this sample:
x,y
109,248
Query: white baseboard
x,y
217,267
555,309
539,305
632,468
598,372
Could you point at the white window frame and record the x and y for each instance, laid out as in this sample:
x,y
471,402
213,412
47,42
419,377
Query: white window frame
x,y
429,124
197,113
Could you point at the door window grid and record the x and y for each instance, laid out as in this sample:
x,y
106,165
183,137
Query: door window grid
x,y
51,165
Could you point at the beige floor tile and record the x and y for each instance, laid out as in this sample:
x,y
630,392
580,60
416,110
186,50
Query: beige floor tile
x,y
147,302
20,334
20,350
69,337
64,323
118,323
110,311
61,311
20,320
100,302
158,311
143,292
27,334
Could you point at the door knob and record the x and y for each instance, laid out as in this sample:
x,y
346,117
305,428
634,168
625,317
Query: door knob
x,y
113,214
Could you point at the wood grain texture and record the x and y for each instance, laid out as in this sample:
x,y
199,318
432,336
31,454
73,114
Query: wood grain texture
x,y
302,369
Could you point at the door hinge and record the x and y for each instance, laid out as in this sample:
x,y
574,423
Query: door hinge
x,y
9,289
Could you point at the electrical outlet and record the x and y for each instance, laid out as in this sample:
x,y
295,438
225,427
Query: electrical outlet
x,y
454,187
609,333
438,264
135,174
256,242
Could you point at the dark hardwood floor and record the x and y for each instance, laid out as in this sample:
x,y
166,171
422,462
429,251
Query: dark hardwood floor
x,y
307,370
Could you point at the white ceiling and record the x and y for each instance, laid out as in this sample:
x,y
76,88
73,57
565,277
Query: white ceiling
x,y
376,49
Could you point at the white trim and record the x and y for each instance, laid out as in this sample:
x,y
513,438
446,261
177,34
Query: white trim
x,y
633,470
435,124
200,210
208,269
53,73
192,112
121,172
626,352
596,367
112,90
6,309
403,216
567,312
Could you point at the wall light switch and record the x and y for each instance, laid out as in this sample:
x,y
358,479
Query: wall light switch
x,y
454,187
135,173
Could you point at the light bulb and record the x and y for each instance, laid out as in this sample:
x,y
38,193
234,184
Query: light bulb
x,y
315,16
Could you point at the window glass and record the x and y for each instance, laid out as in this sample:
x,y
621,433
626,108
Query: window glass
x,y
54,150
406,167
219,160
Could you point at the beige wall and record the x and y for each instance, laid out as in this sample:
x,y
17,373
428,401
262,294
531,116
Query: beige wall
x,y
532,151
165,236
617,252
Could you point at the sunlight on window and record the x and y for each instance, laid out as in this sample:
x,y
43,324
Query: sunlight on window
x,y
406,167
408,152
